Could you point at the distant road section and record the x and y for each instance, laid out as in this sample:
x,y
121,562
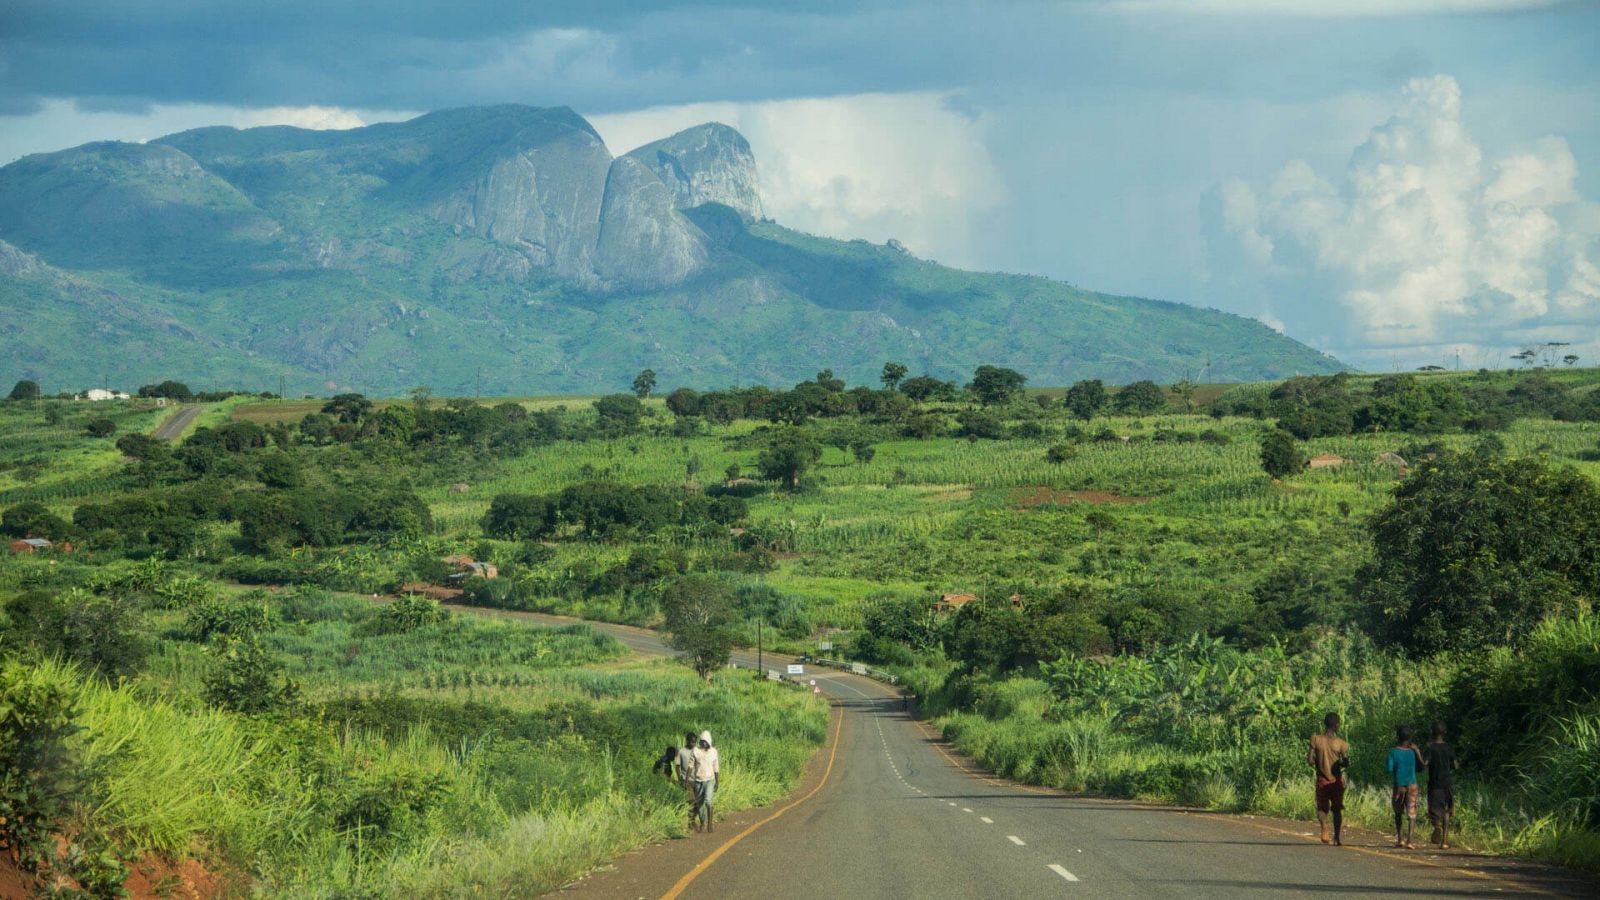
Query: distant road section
x,y
176,424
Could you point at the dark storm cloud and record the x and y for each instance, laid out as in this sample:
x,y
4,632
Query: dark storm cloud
x,y
605,55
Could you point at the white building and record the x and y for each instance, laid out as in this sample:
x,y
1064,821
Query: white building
x,y
98,394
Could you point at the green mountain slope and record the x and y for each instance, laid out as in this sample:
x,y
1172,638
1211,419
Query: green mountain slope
x,y
504,246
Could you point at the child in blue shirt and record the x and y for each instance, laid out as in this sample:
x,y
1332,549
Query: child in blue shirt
x,y
1404,760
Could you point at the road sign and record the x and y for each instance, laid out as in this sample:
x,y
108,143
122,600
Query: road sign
x,y
772,675
825,645
796,669
858,669
814,688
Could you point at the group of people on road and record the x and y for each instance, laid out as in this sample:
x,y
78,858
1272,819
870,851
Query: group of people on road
x,y
696,767
1329,755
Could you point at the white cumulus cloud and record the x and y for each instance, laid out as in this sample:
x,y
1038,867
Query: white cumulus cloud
x,y
319,118
1424,246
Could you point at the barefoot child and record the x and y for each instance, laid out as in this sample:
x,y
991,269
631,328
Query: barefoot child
x,y
1440,760
1329,755
1404,760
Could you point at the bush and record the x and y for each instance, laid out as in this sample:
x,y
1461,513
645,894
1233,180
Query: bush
x,y
101,427
103,633
220,618
247,679
39,771
404,615
1280,455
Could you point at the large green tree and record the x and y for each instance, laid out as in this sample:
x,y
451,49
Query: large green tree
x,y
1478,549
25,389
994,385
644,383
1086,398
699,613
1141,398
1280,455
789,454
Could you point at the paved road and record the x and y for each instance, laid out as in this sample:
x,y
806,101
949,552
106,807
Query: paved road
x,y
176,424
898,817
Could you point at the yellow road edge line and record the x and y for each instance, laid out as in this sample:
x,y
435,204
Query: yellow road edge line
x,y
700,867
1242,820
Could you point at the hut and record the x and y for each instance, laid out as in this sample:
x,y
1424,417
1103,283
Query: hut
x,y
952,602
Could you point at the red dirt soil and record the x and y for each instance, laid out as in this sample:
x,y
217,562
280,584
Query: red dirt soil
x,y
1029,497
148,879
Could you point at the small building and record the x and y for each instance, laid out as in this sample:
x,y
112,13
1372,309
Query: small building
x,y
1394,461
471,570
39,545
95,395
1325,461
952,602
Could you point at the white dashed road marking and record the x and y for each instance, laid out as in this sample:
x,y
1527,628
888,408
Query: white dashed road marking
x,y
1015,840
964,809
1063,872
986,820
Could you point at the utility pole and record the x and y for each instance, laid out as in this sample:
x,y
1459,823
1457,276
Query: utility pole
x,y
761,669
282,390
478,390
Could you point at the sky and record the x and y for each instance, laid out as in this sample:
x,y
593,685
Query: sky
x,y
1397,182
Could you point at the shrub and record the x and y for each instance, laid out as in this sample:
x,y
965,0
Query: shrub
x,y
404,615
103,633
39,771
247,679
1280,455
220,618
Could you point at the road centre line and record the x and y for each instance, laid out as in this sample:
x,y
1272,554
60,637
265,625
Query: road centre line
x,y
986,820
966,810
1015,840
1059,870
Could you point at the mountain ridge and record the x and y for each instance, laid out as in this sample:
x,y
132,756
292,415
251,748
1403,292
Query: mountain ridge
x,y
509,239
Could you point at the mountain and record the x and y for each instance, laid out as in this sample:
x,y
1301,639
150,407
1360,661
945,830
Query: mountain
x,y
506,247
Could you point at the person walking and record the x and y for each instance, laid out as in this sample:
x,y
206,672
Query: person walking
x,y
707,771
1403,762
684,766
1440,760
1329,755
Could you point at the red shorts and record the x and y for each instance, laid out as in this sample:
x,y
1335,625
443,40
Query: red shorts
x,y
1330,795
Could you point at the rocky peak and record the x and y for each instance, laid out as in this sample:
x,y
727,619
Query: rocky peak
x,y
708,163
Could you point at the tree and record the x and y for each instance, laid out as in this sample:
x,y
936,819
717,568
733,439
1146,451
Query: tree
x,y
1280,455
893,374
683,402
789,453
172,390
699,614
1060,453
101,427
618,413
348,408
644,383
1142,398
1571,359
994,385
519,516
926,387
1086,398
1477,550
1183,389
25,390
30,518
863,450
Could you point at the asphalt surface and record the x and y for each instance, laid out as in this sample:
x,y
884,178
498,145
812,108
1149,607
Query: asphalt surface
x,y
175,424
897,815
